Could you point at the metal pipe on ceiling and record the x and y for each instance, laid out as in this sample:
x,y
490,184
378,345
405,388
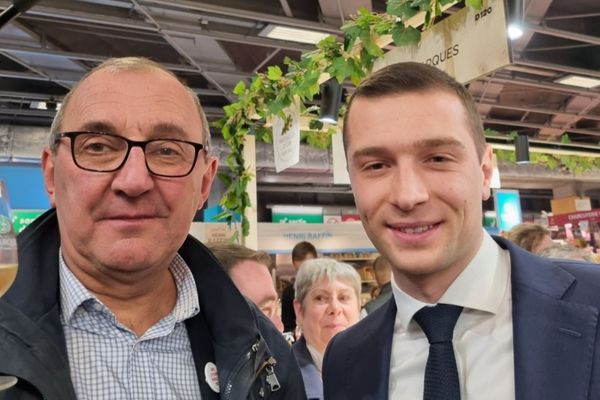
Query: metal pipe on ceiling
x,y
17,8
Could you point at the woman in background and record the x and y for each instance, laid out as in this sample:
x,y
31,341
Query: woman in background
x,y
532,237
326,302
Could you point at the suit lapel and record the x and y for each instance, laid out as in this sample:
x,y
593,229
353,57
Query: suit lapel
x,y
374,350
553,339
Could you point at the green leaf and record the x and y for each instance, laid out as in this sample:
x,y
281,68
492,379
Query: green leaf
x,y
224,178
340,69
327,42
552,163
404,36
274,73
240,88
235,237
245,226
370,46
401,8
315,124
476,4
565,138
424,5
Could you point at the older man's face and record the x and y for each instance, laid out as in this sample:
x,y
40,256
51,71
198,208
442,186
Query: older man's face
x,y
128,220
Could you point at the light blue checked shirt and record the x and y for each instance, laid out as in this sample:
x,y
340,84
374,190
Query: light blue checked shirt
x,y
108,361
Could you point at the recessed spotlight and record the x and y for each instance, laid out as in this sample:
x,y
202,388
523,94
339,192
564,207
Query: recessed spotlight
x,y
580,81
292,34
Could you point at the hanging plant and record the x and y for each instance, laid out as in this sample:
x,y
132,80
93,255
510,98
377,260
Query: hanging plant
x,y
270,93
573,164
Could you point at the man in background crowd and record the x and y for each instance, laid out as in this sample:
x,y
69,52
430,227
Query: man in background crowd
x,y
250,271
302,251
114,300
472,317
383,276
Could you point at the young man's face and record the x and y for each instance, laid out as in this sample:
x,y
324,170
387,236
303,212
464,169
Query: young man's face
x,y
418,185
127,220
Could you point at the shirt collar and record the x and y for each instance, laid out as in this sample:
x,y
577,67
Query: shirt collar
x,y
73,294
316,356
480,286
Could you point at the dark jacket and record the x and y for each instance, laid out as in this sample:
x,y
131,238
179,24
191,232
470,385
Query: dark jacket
x,y
251,355
310,374
384,295
288,315
555,310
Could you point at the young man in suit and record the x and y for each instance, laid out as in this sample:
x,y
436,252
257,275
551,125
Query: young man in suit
x,y
516,326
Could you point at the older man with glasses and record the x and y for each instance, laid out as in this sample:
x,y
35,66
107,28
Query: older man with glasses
x,y
114,300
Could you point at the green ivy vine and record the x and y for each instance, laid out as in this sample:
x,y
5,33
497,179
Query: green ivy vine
x,y
271,92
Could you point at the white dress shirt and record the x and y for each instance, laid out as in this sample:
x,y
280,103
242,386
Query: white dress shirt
x,y
483,337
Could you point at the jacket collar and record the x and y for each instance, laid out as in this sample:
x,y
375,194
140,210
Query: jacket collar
x,y
312,380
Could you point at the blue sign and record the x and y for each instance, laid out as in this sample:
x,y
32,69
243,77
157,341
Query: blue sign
x,y
508,208
25,186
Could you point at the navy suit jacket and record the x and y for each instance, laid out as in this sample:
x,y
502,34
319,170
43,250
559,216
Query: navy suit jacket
x,y
555,336
310,374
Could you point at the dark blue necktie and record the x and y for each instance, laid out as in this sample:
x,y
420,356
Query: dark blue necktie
x,y
441,374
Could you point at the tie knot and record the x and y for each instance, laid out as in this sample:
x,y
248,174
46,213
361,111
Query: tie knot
x,y
438,322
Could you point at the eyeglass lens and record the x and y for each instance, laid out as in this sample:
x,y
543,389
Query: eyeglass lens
x,y
101,152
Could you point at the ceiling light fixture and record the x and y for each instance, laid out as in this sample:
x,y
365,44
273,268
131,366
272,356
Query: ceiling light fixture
x,y
515,19
292,34
579,81
331,100
522,149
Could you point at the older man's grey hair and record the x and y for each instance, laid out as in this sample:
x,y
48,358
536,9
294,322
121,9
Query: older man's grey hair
x,y
313,270
126,64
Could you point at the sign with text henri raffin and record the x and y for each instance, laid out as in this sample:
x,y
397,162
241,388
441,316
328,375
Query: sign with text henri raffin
x,y
466,45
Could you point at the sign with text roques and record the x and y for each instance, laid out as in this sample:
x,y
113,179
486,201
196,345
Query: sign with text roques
x,y
466,45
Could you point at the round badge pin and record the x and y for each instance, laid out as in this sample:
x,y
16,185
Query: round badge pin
x,y
211,376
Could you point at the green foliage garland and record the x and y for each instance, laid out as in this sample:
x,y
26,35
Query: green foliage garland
x,y
270,93
573,164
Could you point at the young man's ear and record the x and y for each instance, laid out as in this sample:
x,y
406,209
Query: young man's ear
x,y
487,170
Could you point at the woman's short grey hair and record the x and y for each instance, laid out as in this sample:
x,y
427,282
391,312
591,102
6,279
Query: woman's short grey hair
x,y
313,270
127,64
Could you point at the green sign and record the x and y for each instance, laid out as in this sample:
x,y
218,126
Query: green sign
x,y
298,218
22,218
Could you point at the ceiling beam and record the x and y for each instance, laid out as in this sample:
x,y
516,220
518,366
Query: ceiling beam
x,y
180,50
188,5
553,87
541,110
34,48
538,126
563,34
286,8
557,67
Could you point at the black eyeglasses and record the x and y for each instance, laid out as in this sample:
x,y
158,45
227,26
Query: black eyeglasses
x,y
105,152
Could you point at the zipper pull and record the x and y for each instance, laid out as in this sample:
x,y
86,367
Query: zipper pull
x,y
271,377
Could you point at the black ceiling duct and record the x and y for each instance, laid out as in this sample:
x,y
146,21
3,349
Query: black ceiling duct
x,y
17,8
